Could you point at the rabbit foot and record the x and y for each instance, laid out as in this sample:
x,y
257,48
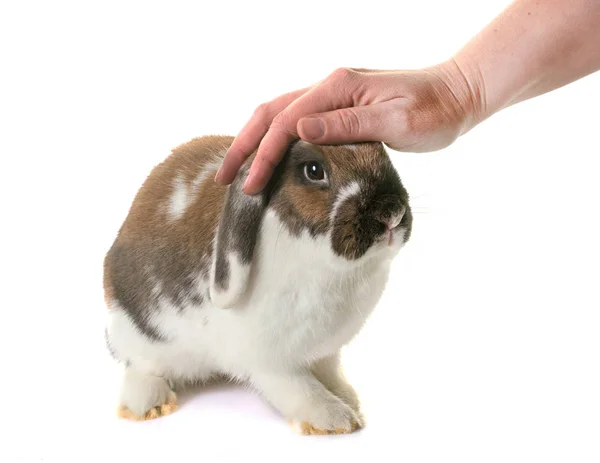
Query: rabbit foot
x,y
307,429
145,397
155,412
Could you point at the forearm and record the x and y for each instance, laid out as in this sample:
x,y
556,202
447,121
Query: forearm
x,y
533,47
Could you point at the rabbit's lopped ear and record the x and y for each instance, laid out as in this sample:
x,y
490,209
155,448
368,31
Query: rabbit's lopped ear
x,y
235,240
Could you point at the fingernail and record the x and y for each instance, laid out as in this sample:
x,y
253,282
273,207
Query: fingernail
x,y
313,128
218,175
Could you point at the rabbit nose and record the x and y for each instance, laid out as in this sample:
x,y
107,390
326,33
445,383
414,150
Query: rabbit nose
x,y
393,221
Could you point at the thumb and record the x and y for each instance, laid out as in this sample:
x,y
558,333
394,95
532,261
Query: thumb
x,y
349,125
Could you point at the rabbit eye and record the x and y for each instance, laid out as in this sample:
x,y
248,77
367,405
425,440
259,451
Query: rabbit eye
x,y
314,171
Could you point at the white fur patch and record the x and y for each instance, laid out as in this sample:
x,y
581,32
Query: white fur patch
x,y
236,283
184,195
209,170
180,198
347,191
140,392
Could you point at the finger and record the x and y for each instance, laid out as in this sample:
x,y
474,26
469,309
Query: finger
x,y
264,164
333,93
377,122
249,137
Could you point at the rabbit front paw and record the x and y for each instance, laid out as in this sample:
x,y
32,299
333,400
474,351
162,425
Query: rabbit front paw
x,y
337,418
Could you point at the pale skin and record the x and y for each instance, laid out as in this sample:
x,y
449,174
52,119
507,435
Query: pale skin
x,y
531,48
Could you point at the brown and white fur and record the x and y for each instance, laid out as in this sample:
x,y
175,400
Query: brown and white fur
x,y
203,280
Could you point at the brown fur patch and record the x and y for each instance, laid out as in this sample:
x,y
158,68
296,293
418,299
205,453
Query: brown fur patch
x,y
152,248
146,215
311,204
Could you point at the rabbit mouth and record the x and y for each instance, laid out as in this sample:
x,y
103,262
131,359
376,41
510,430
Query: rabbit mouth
x,y
392,236
388,237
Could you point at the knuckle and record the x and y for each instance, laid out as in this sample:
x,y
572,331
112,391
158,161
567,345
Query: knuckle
x,y
281,122
344,74
262,111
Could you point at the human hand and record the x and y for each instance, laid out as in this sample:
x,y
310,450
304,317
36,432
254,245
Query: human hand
x,y
416,111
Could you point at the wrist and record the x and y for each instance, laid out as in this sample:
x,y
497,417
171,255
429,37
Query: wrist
x,y
466,85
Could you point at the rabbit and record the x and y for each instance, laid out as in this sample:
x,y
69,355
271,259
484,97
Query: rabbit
x,y
204,281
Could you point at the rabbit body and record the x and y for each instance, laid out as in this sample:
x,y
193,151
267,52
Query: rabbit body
x,y
205,281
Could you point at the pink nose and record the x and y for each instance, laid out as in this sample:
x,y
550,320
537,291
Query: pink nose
x,y
395,220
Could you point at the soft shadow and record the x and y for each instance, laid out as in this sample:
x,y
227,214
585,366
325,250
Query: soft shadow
x,y
186,391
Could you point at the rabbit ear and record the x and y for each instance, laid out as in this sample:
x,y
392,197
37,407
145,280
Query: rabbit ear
x,y
235,240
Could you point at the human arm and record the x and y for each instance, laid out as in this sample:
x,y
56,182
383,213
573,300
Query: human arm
x,y
533,47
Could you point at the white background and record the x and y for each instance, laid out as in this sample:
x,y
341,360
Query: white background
x,y
485,347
